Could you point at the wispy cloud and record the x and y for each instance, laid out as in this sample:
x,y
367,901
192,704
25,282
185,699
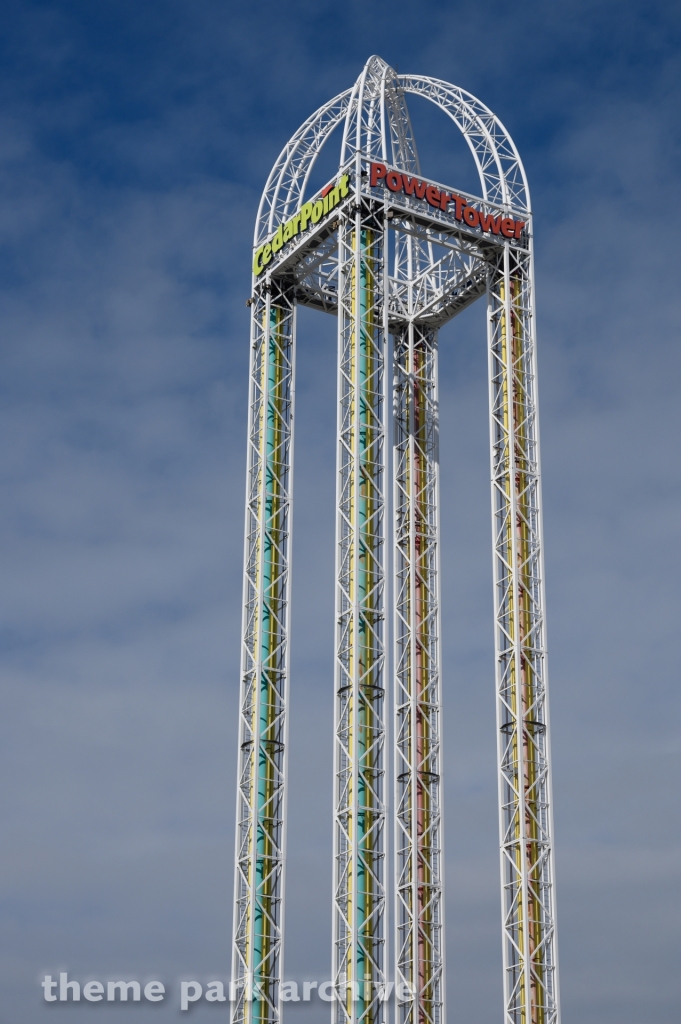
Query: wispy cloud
x,y
133,145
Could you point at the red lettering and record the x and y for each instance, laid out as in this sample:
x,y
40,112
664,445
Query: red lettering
x,y
433,195
414,186
471,216
325,191
394,181
488,222
519,225
507,227
445,200
377,171
460,203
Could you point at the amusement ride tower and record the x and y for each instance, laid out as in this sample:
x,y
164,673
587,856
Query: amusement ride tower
x,y
393,256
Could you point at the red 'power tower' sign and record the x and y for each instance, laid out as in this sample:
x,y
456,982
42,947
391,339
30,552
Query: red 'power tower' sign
x,y
397,181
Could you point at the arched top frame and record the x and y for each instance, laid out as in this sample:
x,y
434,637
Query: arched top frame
x,y
377,123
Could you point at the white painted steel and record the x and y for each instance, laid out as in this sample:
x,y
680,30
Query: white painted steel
x,y
288,179
417,697
257,951
527,873
358,963
423,268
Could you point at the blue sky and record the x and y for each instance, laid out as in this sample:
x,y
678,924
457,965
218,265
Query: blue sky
x,y
134,143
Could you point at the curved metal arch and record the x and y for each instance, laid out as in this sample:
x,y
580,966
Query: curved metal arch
x,y
487,138
375,112
365,93
377,122
288,178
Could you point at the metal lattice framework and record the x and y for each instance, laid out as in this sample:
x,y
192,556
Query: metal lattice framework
x,y
381,249
359,893
418,838
259,855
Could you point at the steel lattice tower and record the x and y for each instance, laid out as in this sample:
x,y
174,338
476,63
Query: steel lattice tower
x,y
393,256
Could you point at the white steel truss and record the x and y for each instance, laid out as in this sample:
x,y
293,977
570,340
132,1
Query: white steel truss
x,y
257,954
359,889
525,824
418,837
388,263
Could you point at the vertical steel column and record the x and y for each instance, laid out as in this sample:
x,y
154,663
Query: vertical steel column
x,y
418,854
528,907
259,858
359,892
